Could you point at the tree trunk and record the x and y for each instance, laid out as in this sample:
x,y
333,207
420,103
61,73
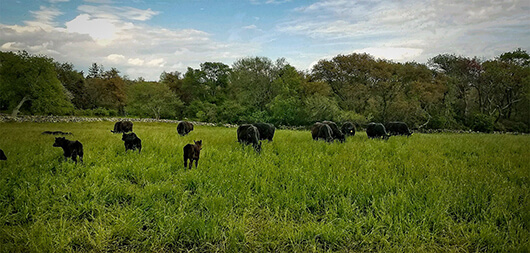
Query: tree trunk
x,y
17,109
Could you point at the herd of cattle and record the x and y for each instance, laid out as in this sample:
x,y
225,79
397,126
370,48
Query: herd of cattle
x,y
247,134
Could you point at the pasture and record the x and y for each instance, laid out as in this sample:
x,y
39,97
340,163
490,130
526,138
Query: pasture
x,y
427,192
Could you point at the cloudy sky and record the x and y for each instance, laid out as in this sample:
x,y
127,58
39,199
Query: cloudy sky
x,y
143,38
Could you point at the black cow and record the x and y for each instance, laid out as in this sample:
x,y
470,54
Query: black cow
x,y
266,130
56,133
2,155
122,127
249,134
397,128
132,142
322,131
335,131
348,128
184,128
376,130
192,152
71,148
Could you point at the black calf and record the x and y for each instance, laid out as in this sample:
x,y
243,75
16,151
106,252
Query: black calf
x,y
2,155
132,142
192,152
71,148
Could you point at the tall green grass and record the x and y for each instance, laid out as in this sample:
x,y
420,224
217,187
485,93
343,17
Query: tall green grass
x,y
437,192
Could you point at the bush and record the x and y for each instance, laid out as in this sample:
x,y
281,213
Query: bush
x,y
100,112
513,126
286,112
230,112
481,123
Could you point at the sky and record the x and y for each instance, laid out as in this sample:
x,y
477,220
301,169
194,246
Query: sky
x,y
142,38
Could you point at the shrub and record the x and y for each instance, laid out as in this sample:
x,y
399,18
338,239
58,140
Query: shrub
x,y
481,123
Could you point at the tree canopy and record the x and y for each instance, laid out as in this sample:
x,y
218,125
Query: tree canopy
x,y
449,91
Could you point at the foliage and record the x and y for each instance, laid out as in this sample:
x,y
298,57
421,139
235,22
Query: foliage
x,y
30,83
446,93
481,123
106,89
427,192
74,82
151,99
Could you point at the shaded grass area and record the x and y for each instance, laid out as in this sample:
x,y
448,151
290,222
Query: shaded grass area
x,y
437,192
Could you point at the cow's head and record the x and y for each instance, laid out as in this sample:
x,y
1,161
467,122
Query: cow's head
x,y
59,141
198,144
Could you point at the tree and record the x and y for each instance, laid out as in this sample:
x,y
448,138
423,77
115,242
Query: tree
x,y
31,81
507,83
174,81
74,82
107,90
251,82
152,99
464,74
215,76
348,77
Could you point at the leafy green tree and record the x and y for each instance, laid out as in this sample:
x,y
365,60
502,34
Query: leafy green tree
x,y
349,79
31,82
251,82
464,75
215,77
508,84
319,108
74,82
107,90
152,99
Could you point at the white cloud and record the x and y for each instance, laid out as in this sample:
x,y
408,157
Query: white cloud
x,y
118,37
117,13
116,58
415,30
250,27
391,53
101,30
44,17
136,62
159,62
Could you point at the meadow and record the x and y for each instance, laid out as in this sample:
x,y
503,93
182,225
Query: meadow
x,y
424,193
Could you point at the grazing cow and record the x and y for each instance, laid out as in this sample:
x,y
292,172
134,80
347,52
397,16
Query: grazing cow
x,y
132,142
397,128
71,148
56,133
376,130
348,128
184,128
2,155
266,130
122,127
192,152
249,134
335,131
322,131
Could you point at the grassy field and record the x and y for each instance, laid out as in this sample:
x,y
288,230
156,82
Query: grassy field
x,y
428,192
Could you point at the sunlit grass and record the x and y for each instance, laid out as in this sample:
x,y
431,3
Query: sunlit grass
x,y
438,192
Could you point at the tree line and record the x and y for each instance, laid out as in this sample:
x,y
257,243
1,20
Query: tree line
x,y
448,92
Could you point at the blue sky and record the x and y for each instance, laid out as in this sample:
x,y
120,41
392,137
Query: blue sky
x,y
144,38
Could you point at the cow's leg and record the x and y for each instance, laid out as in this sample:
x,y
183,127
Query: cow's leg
x,y
185,162
196,163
